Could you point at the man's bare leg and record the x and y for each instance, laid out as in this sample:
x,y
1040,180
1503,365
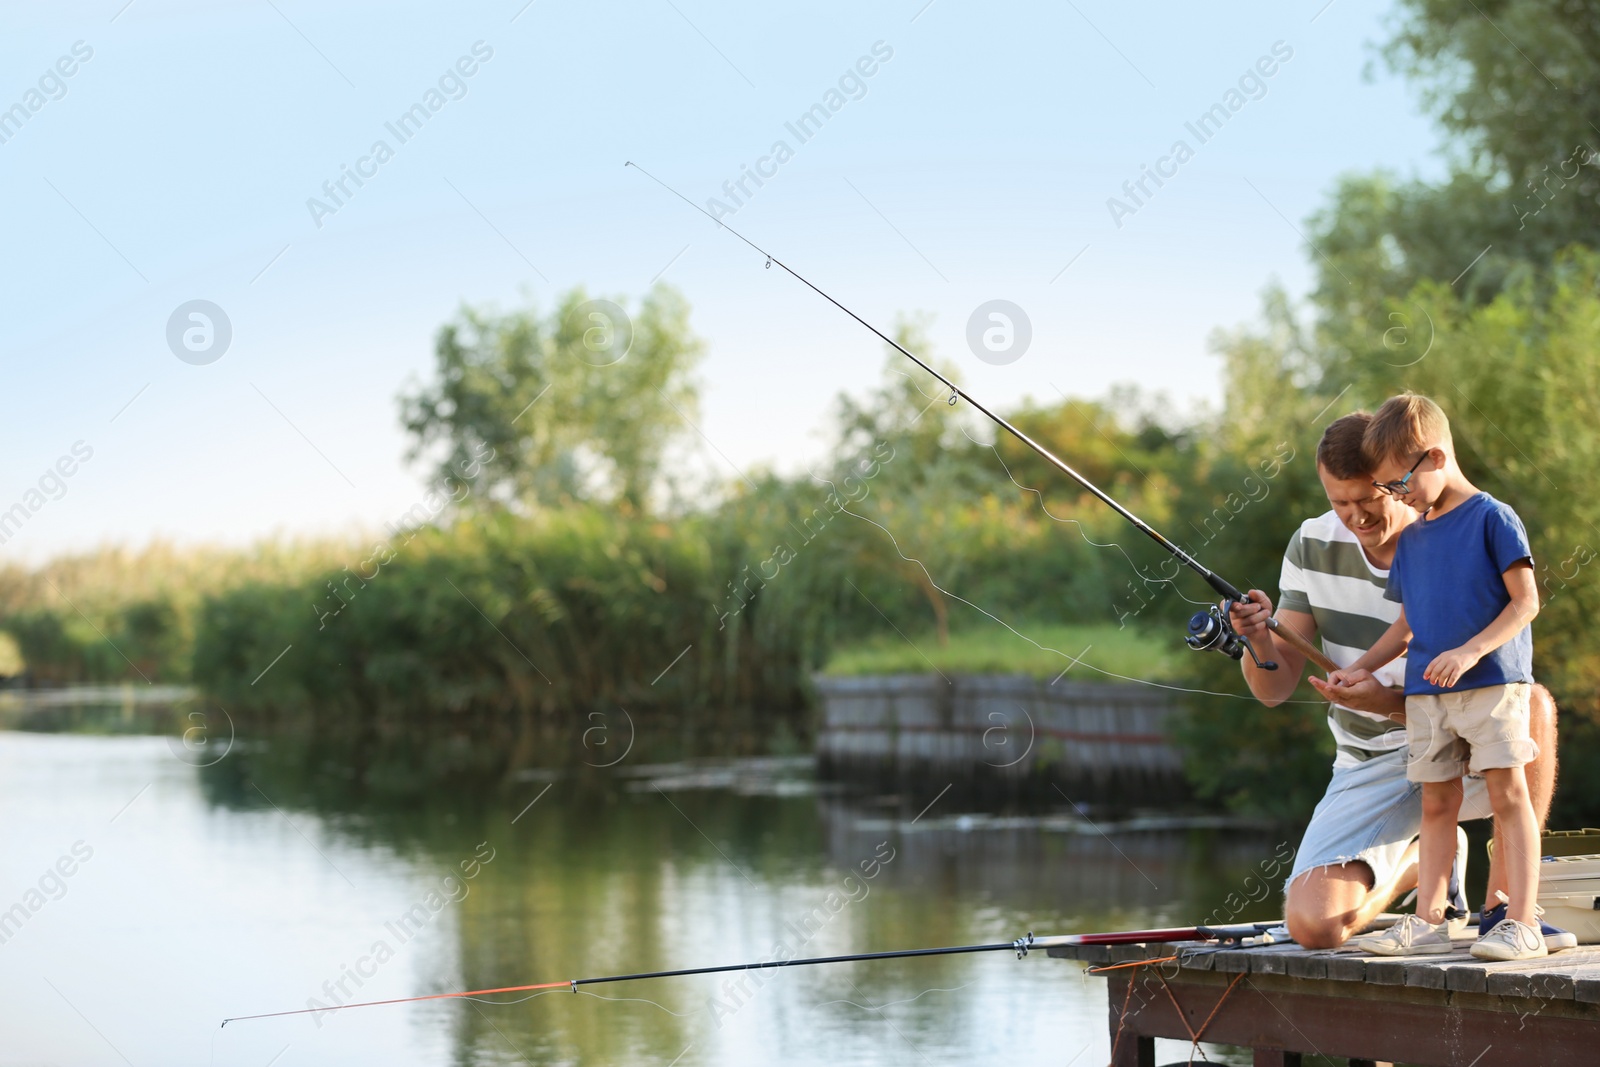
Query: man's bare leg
x,y
1541,774
1542,771
1326,905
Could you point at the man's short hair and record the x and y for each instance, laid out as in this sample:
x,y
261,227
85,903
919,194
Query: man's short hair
x,y
1405,425
1340,452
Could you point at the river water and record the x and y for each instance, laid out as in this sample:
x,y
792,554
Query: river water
x,y
158,897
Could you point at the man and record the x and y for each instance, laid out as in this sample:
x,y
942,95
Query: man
x,y
1359,852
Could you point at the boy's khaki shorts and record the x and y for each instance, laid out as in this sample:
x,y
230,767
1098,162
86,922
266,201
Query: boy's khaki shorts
x,y
1449,734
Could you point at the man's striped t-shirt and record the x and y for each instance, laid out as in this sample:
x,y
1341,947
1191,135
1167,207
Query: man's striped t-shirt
x,y
1328,576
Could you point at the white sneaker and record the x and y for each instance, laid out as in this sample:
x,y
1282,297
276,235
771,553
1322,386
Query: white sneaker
x,y
1411,936
1555,938
1510,940
1455,896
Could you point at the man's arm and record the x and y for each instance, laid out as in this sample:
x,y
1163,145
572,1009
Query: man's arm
x,y
1363,692
1448,667
1249,619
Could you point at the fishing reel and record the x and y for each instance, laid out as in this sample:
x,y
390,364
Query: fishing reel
x,y
1210,629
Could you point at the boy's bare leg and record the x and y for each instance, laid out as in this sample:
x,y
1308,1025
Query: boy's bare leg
x,y
1518,842
1541,777
1326,905
1441,803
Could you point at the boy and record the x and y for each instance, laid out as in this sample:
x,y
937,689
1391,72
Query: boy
x,y
1463,575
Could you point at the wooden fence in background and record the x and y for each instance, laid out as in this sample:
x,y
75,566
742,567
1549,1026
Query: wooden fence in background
x,y
1000,733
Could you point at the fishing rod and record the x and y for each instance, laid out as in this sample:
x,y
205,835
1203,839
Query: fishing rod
x,y
1242,934
1209,629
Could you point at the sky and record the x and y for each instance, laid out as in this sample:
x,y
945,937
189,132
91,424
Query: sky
x,y
969,155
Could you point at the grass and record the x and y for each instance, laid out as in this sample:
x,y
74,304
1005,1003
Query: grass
x,y
996,650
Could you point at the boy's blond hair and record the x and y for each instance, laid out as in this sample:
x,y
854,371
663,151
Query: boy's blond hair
x,y
1403,426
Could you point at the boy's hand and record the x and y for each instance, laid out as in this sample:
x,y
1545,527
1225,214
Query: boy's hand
x,y
1342,683
1448,667
1358,689
1249,616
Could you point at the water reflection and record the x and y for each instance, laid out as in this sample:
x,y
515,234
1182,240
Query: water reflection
x,y
308,872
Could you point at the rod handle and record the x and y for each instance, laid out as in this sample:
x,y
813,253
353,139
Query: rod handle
x,y
1305,648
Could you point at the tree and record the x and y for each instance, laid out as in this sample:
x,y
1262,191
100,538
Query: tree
x,y
933,477
1516,86
579,406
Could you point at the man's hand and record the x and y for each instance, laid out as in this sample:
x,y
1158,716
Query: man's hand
x,y
1249,616
1448,667
1362,691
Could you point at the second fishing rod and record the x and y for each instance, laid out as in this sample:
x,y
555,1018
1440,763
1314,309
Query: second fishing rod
x,y
1209,629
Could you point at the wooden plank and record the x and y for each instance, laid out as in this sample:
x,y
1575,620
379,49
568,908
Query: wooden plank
x,y
1233,961
1473,976
1544,983
1430,972
1586,990
1312,964
1347,966
1514,978
1386,970
1274,959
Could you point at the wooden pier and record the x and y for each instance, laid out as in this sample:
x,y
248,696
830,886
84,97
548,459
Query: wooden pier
x,y
1284,1002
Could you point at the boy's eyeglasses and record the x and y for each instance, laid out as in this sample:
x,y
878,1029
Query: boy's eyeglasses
x,y
1399,488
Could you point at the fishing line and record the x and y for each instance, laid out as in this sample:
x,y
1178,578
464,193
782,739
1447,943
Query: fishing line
x,y
894,1003
1044,648
1210,629
1079,523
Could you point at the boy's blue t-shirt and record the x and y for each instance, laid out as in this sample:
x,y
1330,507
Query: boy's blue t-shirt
x,y
1448,573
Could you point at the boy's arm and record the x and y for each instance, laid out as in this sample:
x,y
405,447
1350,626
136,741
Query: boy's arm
x,y
1448,667
1384,649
